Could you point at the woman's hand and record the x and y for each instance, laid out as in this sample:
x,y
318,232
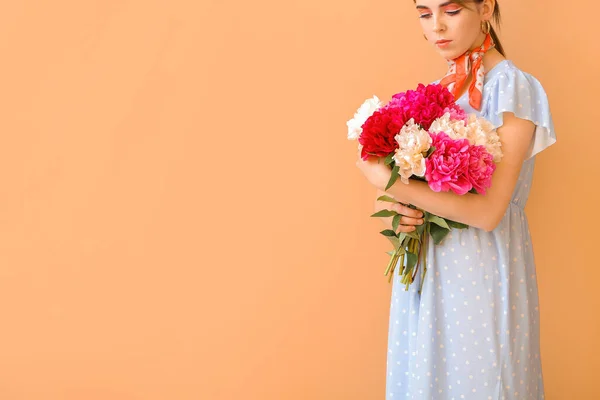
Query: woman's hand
x,y
378,174
410,217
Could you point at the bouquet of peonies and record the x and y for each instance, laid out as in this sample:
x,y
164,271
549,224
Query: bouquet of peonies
x,y
423,134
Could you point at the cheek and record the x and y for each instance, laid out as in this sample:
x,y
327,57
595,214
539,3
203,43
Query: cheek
x,y
426,24
467,29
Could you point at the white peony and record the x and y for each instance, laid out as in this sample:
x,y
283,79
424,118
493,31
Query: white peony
x,y
481,132
456,129
414,142
364,112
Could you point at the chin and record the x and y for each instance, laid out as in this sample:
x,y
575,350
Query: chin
x,y
450,54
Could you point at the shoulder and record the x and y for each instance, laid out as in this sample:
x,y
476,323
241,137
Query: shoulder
x,y
505,77
509,88
512,90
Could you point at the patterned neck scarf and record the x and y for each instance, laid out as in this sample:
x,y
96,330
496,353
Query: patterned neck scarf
x,y
460,67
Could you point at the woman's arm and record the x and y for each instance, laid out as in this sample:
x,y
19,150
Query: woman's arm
x,y
481,211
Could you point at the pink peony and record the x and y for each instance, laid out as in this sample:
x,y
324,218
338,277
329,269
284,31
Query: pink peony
x,y
457,113
448,166
481,168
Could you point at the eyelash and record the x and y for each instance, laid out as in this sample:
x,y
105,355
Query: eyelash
x,y
451,13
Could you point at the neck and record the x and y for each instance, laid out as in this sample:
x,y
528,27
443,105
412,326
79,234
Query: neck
x,y
478,43
491,58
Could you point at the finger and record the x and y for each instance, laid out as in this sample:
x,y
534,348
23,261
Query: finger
x,y
404,210
406,228
410,221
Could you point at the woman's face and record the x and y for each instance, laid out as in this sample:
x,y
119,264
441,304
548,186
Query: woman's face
x,y
445,20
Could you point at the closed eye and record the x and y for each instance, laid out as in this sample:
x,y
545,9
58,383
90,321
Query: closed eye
x,y
447,12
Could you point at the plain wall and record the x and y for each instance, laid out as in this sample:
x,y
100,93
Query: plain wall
x,y
181,216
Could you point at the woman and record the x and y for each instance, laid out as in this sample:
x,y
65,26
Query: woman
x,y
473,332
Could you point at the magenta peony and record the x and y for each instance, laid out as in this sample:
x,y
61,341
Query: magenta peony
x,y
425,104
481,168
448,165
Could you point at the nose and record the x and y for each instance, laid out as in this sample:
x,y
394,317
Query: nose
x,y
438,25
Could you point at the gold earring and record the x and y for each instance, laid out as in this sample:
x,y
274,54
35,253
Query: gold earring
x,y
486,26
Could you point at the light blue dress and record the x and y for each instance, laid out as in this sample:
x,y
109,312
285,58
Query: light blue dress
x,y
473,332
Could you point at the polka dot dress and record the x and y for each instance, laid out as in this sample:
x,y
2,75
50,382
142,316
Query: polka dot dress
x,y
473,332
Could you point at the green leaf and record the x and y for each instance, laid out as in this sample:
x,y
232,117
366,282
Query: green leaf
x,y
414,235
456,225
396,222
393,177
411,260
388,232
387,198
431,150
438,221
420,229
438,233
384,213
389,159
395,241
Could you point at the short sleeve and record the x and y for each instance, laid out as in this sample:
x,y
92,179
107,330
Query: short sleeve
x,y
521,94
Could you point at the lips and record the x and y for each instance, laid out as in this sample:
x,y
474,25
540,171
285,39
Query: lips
x,y
441,41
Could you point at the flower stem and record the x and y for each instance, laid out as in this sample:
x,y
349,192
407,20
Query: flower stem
x,y
426,244
391,262
402,263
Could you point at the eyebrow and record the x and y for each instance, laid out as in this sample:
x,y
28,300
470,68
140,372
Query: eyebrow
x,y
447,3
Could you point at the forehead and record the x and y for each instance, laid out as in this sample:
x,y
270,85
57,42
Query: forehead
x,y
420,4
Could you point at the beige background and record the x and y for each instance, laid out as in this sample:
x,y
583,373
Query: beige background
x,y
182,217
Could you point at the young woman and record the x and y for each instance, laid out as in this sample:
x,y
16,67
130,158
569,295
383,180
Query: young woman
x,y
473,332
